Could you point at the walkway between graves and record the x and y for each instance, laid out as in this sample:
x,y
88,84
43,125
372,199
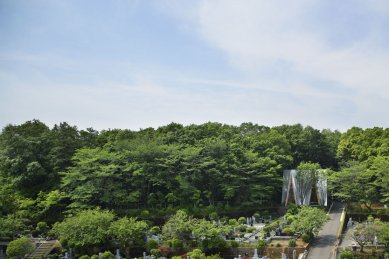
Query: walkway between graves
x,y
324,244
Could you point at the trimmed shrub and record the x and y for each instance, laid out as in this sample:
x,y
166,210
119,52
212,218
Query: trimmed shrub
x,y
20,247
292,242
197,254
242,228
232,222
107,255
84,257
242,220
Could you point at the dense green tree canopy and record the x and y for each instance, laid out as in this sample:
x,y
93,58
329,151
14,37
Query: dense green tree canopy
x,y
63,174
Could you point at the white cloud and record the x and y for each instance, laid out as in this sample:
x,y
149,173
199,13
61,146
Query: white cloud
x,y
264,37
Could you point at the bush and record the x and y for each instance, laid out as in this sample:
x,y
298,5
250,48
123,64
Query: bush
x,y
42,227
242,228
242,220
20,247
288,231
234,243
261,245
94,257
197,254
251,229
155,230
290,219
84,257
155,252
152,244
107,255
176,244
292,242
278,245
346,255
273,225
232,222
144,214
292,209
308,237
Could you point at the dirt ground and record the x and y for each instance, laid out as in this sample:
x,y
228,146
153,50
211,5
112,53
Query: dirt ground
x,y
285,243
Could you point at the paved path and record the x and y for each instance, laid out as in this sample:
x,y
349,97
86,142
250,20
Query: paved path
x,y
325,242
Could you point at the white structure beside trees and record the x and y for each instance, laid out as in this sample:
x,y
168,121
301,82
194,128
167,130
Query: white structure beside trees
x,y
303,186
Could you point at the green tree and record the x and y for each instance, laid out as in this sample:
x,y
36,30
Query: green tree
x,y
197,254
24,157
383,234
20,247
11,226
87,229
309,220
128,232
364,233
179,226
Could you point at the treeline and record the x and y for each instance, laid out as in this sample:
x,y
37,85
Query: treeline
x,y
46,173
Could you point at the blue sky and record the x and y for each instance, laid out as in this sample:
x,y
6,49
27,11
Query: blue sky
x,y
135,64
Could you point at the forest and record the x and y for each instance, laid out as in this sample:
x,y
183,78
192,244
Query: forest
x,y
47,175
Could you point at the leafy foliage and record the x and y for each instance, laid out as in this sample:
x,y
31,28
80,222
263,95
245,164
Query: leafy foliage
x,y
20,247
309,220
86,229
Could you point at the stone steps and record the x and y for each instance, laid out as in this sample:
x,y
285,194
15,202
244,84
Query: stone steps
x,y
43,249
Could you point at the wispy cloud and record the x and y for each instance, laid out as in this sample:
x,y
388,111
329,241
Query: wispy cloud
x,y
320,63
284,47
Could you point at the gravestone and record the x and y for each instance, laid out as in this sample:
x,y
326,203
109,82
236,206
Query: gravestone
x,y
350,222
117,255
255,256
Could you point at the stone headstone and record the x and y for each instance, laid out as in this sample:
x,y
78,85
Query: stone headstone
x,y
350,222
117,255
294,254
283,256
255,256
